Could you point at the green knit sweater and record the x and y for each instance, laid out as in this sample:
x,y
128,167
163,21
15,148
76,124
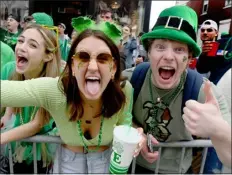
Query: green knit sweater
x,y
45,92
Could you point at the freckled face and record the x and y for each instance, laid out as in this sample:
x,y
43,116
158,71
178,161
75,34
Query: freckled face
x,y
93,67
169,59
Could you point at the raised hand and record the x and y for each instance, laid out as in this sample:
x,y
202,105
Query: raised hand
x,y
200,119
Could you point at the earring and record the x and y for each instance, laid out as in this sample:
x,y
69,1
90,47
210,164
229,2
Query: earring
x,y
73,73
112,76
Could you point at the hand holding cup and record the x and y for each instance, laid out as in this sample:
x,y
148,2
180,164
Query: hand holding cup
x,y
207,46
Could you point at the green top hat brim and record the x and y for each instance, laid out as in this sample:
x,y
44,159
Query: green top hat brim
x,y
171,34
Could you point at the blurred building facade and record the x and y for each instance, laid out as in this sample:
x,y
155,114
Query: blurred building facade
x,y
124,11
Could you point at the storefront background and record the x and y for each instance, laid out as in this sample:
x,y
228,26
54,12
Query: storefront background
x,y
130,12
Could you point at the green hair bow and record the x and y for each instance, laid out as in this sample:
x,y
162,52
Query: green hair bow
x,y
110,29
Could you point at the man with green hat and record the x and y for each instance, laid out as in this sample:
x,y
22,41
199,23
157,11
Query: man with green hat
x,y
165,89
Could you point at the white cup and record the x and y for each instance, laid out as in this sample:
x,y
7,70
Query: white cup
x,y
125,142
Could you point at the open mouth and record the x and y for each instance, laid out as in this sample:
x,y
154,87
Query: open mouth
x,y
21,61
93,85
166,72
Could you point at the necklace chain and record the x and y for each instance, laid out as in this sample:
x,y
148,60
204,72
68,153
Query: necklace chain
x,y
99,137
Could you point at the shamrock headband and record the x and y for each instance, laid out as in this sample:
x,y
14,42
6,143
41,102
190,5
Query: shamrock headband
x,y
110,29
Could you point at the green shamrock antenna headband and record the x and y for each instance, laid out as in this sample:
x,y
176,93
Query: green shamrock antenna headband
x,y
110,29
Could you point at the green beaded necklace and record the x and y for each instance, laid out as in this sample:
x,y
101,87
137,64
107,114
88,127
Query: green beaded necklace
x,y
86,150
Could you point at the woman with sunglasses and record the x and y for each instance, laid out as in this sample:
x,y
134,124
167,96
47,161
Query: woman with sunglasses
x,y
37,55
86,101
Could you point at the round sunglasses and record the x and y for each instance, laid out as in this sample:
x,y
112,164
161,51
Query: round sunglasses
x,y
85,57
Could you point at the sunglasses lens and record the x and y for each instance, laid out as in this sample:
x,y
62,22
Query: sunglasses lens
x,y
104,58
82,57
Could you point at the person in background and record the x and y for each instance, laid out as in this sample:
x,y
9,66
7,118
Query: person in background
x,y
106,15
140,52
10,35
128,46
208,34
26,21
7,54
64,41
219,63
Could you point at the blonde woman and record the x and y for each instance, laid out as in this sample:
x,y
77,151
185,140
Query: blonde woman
x,y
37,55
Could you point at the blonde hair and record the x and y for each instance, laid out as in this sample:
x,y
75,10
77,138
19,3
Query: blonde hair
x,y
51,68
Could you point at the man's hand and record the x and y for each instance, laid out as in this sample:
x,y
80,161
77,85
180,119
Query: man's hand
x,y
207,46
201,119
150,157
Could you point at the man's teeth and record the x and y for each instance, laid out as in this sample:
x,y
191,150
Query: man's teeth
x,y
167,68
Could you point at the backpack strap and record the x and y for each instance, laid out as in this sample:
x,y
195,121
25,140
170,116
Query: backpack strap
x,y
192,86
138,77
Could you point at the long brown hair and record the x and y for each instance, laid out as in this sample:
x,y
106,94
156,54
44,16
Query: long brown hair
x,y
51,68
113,96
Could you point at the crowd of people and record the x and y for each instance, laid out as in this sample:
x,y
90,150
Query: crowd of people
x,y
80,87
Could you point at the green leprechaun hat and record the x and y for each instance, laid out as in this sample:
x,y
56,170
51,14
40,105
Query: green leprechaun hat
x,y
177,23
